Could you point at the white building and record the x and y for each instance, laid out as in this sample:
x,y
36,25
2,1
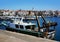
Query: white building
x,y
5,13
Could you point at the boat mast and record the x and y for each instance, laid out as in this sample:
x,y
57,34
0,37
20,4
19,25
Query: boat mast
x,y
38,22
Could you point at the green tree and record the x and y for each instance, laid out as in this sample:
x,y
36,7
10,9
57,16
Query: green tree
x,y
40,13
1,13
51,13
56,13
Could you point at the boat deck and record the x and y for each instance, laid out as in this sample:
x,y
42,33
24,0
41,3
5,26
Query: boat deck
x,y
8,36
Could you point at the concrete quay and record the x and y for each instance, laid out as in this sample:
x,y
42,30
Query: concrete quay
x,y
8,36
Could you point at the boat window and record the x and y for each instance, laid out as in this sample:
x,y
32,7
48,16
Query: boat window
x,y
27,27
11,21
30,27
21,26
20,18
17,26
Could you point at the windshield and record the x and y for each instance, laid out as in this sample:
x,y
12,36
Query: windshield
x,y
15,19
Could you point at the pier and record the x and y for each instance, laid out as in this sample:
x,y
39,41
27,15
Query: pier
x,y
8,36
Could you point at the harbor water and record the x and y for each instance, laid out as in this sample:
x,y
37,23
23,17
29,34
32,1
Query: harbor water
x,y
53,19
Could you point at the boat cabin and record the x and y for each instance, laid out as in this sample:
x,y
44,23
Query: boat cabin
x,y
18,23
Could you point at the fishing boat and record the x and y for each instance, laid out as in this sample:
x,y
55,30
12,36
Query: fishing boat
x,y
17,24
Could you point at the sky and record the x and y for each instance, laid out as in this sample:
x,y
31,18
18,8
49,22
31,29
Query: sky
x,y
29,4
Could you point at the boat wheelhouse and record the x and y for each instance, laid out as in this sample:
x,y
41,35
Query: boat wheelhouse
x,y
17,23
